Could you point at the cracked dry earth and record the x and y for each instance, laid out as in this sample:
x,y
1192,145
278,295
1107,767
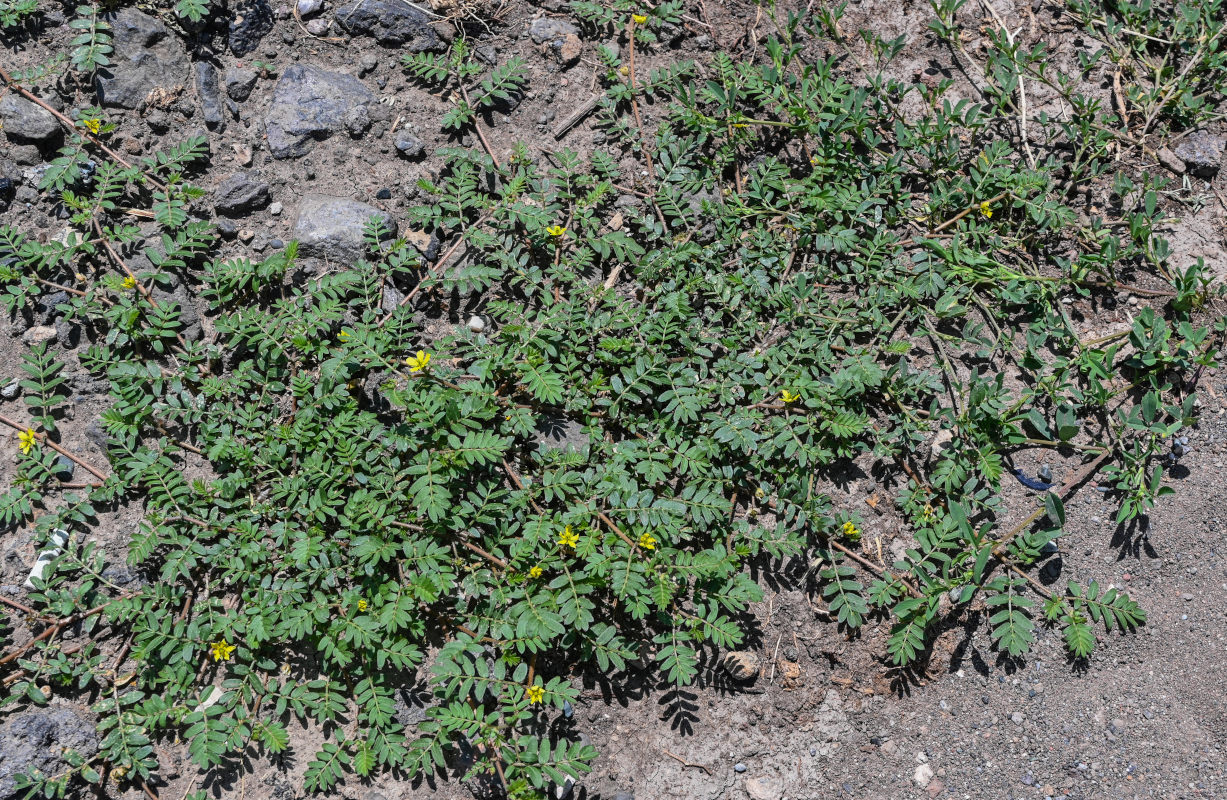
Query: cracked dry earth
x,y
313,126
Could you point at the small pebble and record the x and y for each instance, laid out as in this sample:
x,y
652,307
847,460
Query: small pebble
x,y
383,194
568,710
275,209
739,767
476,324
11,391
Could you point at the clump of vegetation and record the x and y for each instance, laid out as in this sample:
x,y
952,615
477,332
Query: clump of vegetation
x,y
339,509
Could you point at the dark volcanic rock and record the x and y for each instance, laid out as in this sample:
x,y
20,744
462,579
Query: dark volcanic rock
x,y
331,227
239,194
391,23
210,95
25,121
1202,153
239,83
34,740
310,104
250,21
146,57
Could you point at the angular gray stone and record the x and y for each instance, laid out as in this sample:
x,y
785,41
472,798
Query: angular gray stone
x,y
551,29
1202,153
239,83
310,104
25,121
239,194
391,22
34,740
409,145
147,57
331,227
209,94
250,21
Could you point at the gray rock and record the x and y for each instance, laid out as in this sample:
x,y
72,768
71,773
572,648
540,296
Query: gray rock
x,y
68,334
310,104
357,120
46,306
559,433
409,145
11,391
33,740
240,193
308,7
391,23
209,94
239,83
25,121
250,21
331,227
316,27
1170,160
64,468
551,29
742,665
392,298
146,58
739,767
1202,153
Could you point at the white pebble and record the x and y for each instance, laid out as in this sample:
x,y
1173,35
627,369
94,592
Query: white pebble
x,y
308,7
477,324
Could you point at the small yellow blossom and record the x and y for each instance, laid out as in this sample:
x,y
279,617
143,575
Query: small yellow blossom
x,y
362,605
986,210
92,125
647,541
568,537
534,694
760,493
221,650
927,512
790,397
129,282
555,230
343,336
25,441
639,18
850,530
535,572
418,362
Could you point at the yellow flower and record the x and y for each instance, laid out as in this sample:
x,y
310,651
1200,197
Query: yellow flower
x,y
221,650
418,362
362,605
647,541
850,530
25,441
92,125
535,572
639,18
343,336
534,694
568,538
129,282
927,512
790,397
986,210
555,230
